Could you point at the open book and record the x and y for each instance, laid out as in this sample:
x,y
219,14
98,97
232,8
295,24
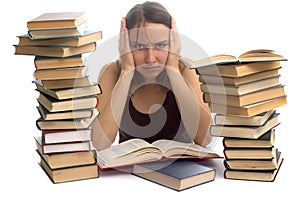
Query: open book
x,y
257,55
139,151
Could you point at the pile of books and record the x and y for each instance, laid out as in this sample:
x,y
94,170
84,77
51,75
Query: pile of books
x,y
67,99
243,92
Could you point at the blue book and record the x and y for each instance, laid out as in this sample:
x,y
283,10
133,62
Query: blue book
x,y
176,174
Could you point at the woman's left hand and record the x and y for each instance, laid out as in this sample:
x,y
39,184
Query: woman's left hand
x,y
174,47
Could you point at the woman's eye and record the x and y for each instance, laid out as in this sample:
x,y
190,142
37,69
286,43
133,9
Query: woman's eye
x,y
161,45
139,46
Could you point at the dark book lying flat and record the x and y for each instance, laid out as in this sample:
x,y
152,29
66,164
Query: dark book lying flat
x,y
177,175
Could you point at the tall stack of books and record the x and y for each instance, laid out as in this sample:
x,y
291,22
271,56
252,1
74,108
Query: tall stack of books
x,y
67,99
244,93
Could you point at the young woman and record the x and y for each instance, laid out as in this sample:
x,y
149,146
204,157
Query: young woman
x,y
147,93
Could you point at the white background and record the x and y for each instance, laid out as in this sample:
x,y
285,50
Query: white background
x,y
217,26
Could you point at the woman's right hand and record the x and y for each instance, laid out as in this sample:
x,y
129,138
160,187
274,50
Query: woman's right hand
x,y
126,56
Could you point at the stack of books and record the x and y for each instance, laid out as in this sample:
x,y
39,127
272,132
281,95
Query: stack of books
x,y
67,99
243,92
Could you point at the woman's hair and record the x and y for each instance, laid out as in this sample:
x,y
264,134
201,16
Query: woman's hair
x,y
152,12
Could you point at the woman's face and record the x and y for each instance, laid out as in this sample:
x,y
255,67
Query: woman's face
x,y
150,45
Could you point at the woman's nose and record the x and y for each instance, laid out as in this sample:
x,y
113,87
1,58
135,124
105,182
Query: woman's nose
x,y
150,55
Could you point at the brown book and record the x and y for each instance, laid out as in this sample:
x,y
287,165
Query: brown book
x,y
66,83
61,73
257,55
239,69
253,164
250,153
65,136
74,173
54,51
71,114
80,123
251,132
54,105
240,89
57,20
86,38
69,93
238,80
249,110
177,175
267,140
42,62
69,159
231,120
245,99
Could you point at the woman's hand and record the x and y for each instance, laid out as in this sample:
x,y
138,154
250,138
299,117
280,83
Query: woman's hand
x,y
126,57
174,47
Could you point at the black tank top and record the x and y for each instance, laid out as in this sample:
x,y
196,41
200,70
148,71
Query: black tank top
x,y
165,123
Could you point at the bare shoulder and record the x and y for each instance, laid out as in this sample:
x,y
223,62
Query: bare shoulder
x,y
112,70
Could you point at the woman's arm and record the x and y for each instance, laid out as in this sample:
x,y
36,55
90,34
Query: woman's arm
x,y
115,83
195,113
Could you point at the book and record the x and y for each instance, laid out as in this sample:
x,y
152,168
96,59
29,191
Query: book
x,y
86,38
178,175
74,173
57,33
63,136
42,62
231,120
54,51
267,140
238,80
81,123
251,175
57,20
54,105
137,150
66,83
71,114
240,89
238,70
61,73
250,153
62,147
245,99
68,93
257,55
249,110
251,132
69,159
253,164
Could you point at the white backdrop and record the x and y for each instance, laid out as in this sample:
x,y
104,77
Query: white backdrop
x,y
217,26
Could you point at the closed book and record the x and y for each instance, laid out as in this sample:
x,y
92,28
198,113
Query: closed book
x,y
54,51
267,140
81,123
68,159
67,174
69,93
70,114
249,110
253,164
43,62
245,99
250,153
60,73
64,136
57,20
66,83
254,175
240,89
251,132
63,147
86,38
57,33
238,80
54,105
231,120
177,175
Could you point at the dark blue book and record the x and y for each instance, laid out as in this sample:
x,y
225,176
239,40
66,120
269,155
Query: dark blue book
x,y
176,174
